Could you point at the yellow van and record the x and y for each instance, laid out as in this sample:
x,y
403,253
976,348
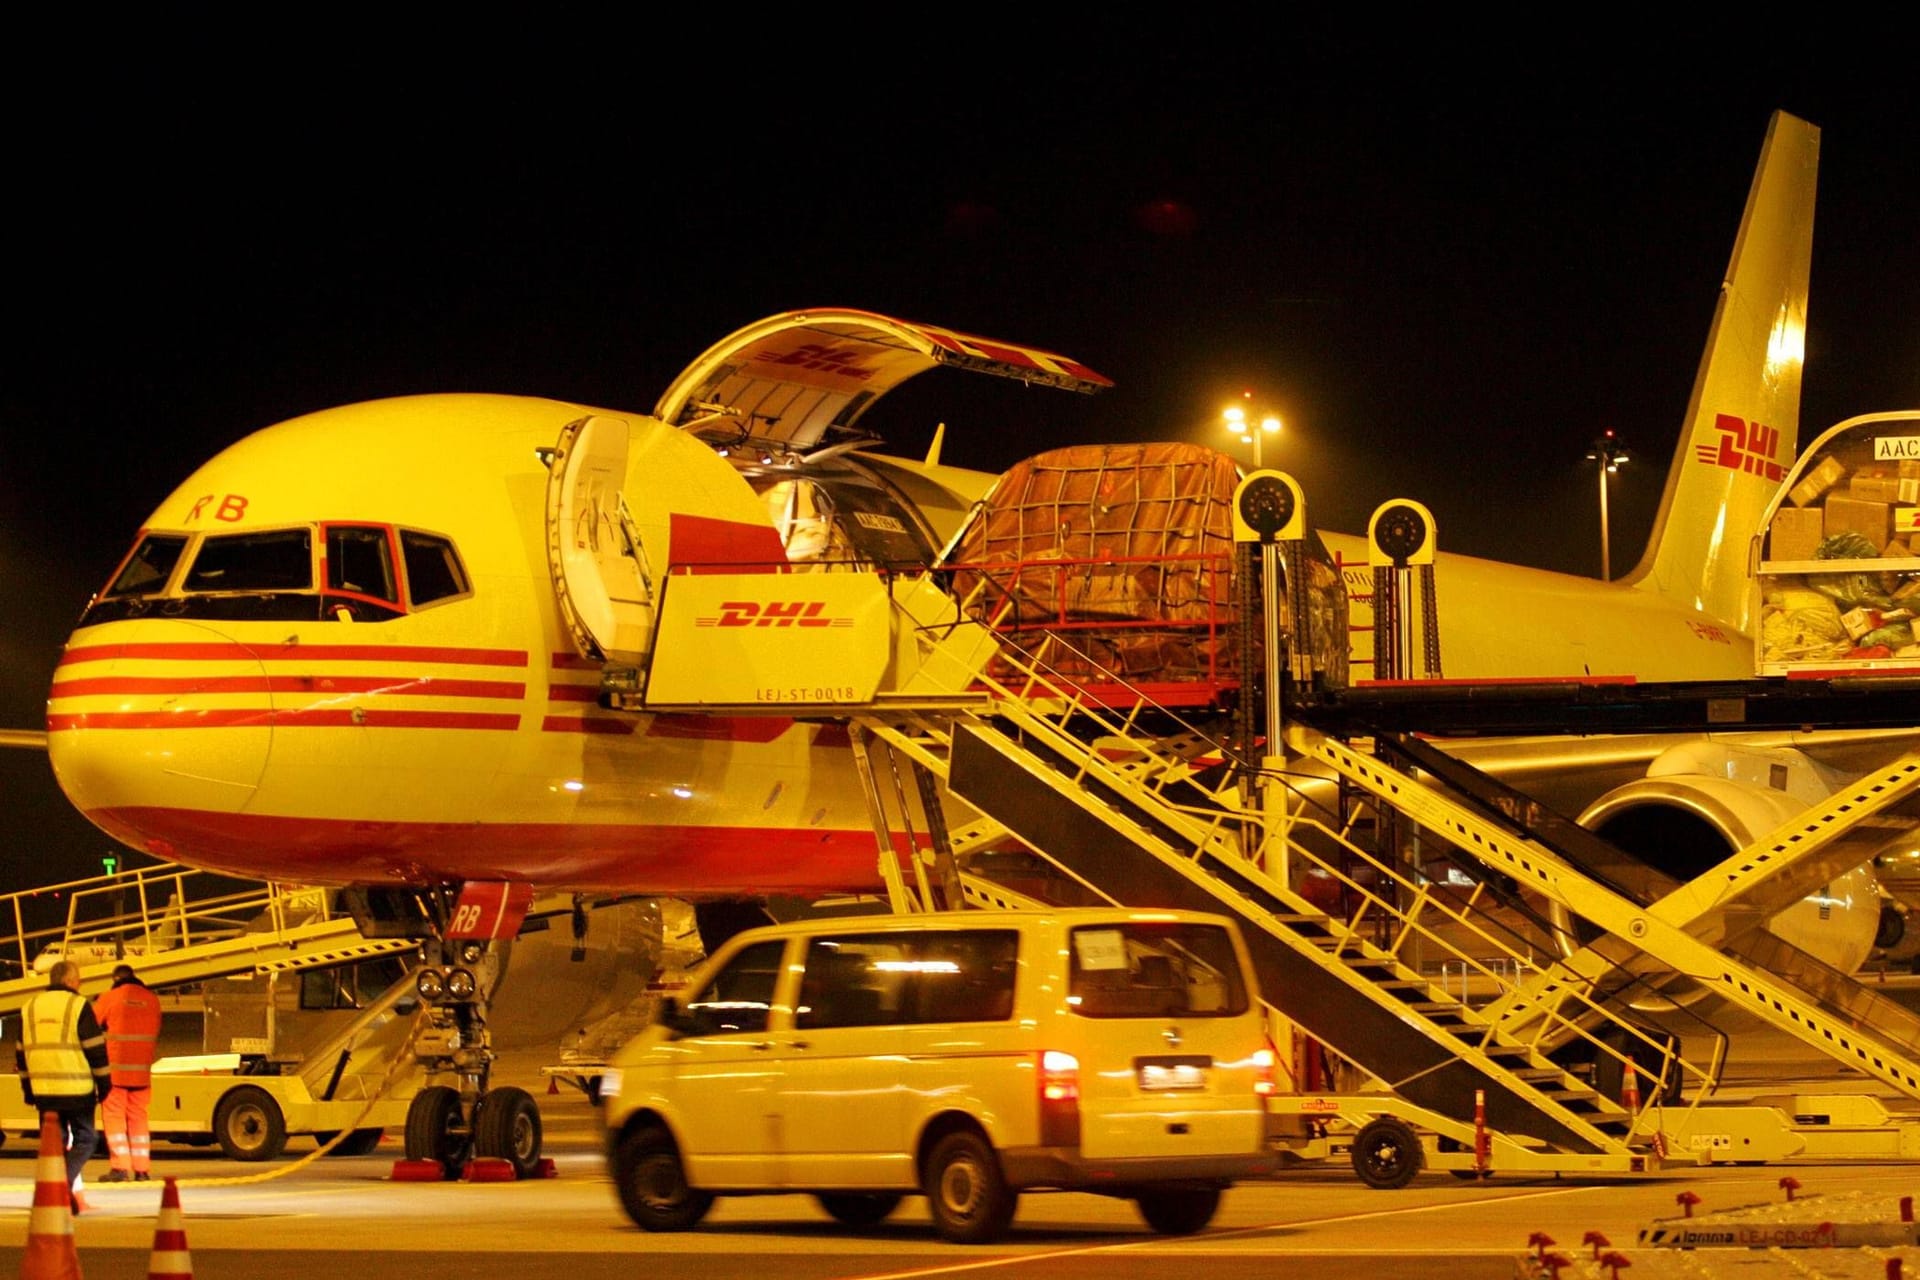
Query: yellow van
x,y
967,1056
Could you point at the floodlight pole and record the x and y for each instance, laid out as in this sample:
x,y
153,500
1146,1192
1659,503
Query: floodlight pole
x,y
1607,453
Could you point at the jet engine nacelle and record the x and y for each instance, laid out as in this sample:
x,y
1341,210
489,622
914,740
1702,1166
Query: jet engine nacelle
x,y
1702,801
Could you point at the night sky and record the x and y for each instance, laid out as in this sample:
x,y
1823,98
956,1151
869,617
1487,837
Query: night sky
x,y
1447,258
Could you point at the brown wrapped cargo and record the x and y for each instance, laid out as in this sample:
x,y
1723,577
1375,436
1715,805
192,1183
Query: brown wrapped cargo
x,y
1124,552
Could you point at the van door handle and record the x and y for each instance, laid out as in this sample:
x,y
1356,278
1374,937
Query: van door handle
x,y
761,1046
803,1044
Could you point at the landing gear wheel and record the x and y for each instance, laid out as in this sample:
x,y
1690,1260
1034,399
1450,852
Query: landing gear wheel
x,y
249,1126
361,1142
506,1126
1178,1212
1386,1153
967,1193
858,1210
653,1183
435,1130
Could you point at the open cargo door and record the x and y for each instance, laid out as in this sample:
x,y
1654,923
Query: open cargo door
x,y
598,566
787,383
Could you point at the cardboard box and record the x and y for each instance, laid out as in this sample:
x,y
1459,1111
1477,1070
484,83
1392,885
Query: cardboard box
x,y
1795,533
1872,520
1884,489
1816,482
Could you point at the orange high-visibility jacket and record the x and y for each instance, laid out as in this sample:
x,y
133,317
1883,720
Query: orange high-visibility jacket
x,y
130,1013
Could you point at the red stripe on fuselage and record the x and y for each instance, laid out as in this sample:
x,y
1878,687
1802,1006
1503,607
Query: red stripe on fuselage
x,y
409,686
298,652
683,861
584,724
573,692
571,662
292,717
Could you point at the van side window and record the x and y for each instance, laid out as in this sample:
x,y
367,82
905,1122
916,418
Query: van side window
x,y
886,979
740,996
1150,968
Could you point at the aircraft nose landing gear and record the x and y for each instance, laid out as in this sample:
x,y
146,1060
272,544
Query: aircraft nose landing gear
x,y
456,1125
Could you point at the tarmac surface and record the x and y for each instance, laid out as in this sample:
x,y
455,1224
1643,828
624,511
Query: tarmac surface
x,y
345,1217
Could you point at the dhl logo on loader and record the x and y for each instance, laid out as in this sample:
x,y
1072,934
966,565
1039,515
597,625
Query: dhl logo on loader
x,y
772,613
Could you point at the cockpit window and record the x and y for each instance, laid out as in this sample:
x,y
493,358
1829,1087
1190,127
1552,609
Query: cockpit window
x,y
277,561
148,568
270,576
433,569
360,560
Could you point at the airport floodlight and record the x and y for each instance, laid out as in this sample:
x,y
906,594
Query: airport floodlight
x,y
1608,455
1236,420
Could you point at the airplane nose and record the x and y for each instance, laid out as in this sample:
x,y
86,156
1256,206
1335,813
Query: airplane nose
x,y
155,724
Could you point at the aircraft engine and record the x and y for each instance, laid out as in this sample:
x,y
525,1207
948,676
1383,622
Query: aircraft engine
x,y
1702,801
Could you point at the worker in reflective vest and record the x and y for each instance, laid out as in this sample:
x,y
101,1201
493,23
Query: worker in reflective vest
x,y
130,1014
62,1058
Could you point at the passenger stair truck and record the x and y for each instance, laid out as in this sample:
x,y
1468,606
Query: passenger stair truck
x,y
264,1065
1046,742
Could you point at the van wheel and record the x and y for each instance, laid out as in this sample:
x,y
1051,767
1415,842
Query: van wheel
x,y
653,1183
1180,1212
249,1126
859,1210
1386,1153
966,1192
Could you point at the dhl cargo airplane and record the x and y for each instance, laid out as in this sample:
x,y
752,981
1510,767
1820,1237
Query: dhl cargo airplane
x,y
367,646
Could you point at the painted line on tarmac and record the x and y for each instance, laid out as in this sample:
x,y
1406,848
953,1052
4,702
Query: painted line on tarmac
x,y
1162,1242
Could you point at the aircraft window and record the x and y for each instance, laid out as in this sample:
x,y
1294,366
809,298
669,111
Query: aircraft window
x,y
360,560
148,568
278,561
433,567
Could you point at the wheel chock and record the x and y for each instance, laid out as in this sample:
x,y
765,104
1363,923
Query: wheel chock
x,y
546,1168
419,1171
489,1169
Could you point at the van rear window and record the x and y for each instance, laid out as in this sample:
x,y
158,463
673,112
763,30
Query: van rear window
x,y
887,979
1151,968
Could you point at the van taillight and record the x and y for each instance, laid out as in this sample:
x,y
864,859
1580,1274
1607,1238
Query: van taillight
x,y
1059,1099
1266,1060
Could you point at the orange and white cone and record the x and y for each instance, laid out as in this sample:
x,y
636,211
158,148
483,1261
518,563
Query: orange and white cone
x,y
49,1254
170,1259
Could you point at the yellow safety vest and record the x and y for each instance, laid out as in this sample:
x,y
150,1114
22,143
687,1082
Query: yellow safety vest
x,y
50,1035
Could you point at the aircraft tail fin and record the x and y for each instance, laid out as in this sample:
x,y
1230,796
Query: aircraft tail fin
x,y
1743,419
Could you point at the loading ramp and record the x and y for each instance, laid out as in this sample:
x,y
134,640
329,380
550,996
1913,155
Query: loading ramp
x,y
177,926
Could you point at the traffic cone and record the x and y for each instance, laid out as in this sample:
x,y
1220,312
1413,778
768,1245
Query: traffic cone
x,y
49,1254
170,1260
